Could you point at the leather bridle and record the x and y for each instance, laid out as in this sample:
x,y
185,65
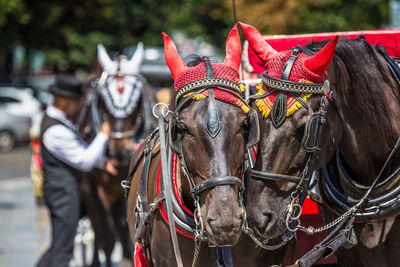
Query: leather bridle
x,y
310,141
213,124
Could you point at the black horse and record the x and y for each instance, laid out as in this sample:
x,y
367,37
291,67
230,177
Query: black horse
x,y
355,120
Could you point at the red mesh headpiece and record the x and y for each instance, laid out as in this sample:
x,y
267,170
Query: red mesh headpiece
x,y
305,69
299,73
311,68
228,70
199,72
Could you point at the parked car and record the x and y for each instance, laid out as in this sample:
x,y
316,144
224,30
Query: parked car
x,y
39,84
19,109
12,129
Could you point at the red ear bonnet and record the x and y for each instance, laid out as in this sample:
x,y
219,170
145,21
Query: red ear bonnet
x,y
182,74
174,61
319,63
263,50
233,49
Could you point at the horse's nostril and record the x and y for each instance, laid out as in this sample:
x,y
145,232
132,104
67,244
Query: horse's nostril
x,y
210,220
265,222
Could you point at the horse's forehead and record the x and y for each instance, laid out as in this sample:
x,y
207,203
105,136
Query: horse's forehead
x,y
196,113
121,95
299,72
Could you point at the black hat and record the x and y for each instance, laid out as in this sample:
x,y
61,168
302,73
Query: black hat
x,y
68,86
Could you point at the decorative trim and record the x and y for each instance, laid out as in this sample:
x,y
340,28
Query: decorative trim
x,y
294,87
207,82
265,104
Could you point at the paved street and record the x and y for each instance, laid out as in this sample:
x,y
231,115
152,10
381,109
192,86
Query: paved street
x,y
19,235
24,227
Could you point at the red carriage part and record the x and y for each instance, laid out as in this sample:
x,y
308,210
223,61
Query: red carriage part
x,y
390,38
309,207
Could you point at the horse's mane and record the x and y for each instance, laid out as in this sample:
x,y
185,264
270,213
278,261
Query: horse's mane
x,y
362,75
193,60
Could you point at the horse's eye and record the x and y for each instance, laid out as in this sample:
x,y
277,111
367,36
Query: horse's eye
x,y
182,127
245,123
300,132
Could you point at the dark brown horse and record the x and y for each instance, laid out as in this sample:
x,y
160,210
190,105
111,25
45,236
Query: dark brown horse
x,y
360,120
210,133
121,96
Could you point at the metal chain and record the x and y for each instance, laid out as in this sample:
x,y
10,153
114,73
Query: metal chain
x,y
311,230
198,234
261,244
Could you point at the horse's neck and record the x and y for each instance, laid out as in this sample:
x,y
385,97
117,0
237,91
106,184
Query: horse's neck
x,y
369,135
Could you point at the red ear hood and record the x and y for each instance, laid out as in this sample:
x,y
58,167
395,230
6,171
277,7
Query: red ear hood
x,y
319,63
233,49
174,61
263,50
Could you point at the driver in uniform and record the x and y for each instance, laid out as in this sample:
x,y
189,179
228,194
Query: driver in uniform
x,y
65,155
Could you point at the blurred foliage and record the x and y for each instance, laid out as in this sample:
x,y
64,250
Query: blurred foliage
x,y
70,30
312,16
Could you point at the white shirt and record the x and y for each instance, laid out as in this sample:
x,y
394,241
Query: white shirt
x,y
65,144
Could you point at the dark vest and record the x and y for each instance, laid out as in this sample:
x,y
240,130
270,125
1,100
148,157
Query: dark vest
x,y
56,172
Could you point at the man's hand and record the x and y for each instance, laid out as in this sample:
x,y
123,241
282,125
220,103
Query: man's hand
x,y
106,128
110,166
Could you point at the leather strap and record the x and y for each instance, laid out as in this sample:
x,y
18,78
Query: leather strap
x,y
279,108
274,176
215,181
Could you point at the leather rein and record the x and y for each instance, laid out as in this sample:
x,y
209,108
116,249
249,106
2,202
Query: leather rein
x,y
386,202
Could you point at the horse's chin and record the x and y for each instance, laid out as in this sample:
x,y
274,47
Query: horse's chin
x,y
225,239
270,235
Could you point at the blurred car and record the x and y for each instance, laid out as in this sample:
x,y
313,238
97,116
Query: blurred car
x,y
19,110
12,129
153,68
39,84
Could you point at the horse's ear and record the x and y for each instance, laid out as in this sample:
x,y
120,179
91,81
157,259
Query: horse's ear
x,y
137,58
263,50
254,129
233,49
105,61
174,61
132,66
319,63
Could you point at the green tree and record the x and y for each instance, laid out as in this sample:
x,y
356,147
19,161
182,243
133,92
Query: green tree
x,y
311,16
69,30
